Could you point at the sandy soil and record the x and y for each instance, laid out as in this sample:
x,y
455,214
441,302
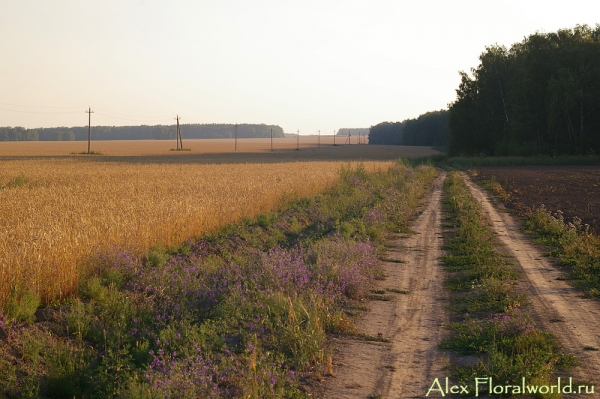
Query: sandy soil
x,y
406,366
413,322
559,308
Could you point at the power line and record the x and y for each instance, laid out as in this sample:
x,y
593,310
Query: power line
x,y
38,112
33,106
133,116
126,119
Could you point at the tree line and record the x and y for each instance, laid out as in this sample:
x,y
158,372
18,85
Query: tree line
x,y
540,96
429,129
158,132
353,131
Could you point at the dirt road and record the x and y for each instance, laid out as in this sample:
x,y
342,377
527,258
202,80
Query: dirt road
x,y
413,322
559,308
406,366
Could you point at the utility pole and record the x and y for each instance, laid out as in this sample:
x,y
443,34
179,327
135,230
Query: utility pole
x,y
178,135
178,138
235,143
334,138
319,141
271,139
89,112
298,140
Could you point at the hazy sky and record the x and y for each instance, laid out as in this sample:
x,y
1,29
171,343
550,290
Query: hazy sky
x,y
307,65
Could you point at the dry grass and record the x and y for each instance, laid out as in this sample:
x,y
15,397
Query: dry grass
x,y
61,211
216,149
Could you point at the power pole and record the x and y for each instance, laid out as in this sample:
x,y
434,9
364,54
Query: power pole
x,y
298,140
89,112
178,138
235,142
271,139
334,138
319,142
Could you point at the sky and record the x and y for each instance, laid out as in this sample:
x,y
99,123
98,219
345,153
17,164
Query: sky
x,y
305,65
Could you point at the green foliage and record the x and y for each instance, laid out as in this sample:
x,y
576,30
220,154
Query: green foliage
x,y
22,305
429,129
190,131
483,161
386,133
494,326
538,97
16,182
573,245
13,385
223,312
67,367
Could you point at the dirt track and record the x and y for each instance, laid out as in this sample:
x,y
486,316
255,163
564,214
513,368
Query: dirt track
x,y
406,366
559,308
413,322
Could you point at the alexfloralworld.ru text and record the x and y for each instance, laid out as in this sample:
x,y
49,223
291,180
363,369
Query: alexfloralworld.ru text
x,y
486,385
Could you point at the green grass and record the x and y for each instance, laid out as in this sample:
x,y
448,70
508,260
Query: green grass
x,y
86,153
493,324
483,161
572,245
224,306
16,182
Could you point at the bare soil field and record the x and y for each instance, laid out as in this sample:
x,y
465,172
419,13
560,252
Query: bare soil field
x,y
574,190
558,307
214,150
412,320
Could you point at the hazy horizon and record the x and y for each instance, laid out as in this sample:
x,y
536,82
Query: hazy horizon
x,y
308,67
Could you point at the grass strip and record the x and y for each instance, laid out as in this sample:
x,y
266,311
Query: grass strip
x,y
486,161
573,244
493,323
242,312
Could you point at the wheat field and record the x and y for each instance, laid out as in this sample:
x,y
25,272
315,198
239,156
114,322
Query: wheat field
x,y
56,213
217,150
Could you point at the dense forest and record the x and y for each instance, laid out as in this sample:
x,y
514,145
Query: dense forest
x,y
386,133
541,96
160,132
429,129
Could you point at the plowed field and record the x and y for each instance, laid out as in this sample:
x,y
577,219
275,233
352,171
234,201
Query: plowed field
x,y
574,190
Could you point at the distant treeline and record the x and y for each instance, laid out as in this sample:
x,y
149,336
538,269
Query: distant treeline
x,y
353,131
541,96
159,132
429,129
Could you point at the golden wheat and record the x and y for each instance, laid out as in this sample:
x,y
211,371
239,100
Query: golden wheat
x,y
65,210
214,147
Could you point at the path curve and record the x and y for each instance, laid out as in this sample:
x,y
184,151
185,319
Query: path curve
x,y
413,322
557,306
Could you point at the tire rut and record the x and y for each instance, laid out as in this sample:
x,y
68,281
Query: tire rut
x,y
413,322
557,306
